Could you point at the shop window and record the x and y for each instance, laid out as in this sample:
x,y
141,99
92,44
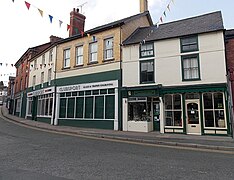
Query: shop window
x,y
99,107
70,107
46,107
139,111
189,44
51,106
214,111
190,67
173,110
30,106
147,50
79,107
89,107
109,107
62,108
147,71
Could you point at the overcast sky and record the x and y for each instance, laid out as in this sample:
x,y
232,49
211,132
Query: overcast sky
x,y
22,28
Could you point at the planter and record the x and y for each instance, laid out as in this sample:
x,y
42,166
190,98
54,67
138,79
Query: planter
x,y
140,126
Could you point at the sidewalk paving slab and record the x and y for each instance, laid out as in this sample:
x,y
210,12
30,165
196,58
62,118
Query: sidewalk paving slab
x,y
224,143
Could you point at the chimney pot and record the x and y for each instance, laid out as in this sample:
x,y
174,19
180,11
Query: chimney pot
x,y
77,22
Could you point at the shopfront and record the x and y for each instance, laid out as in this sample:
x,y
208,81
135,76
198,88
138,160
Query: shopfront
x,y
40,105
141,109
197,113
91,105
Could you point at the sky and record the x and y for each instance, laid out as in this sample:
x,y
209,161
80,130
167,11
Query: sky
x,y
22,28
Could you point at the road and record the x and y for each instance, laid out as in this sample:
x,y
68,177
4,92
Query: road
x,y
30,154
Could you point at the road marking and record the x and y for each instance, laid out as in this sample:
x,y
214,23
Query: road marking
x,y
118,140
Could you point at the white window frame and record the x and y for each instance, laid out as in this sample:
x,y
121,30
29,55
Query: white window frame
x,y
109,48
66,58
49,75
93,50
79,55
42,78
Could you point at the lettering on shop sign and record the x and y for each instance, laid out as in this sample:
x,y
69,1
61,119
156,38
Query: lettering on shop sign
x,y
69,88
90,86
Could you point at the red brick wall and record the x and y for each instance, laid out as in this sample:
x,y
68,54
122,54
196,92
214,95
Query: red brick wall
x,y
230,62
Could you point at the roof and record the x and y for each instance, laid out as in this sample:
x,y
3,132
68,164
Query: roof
x,y
229,34
34,50
114,24
194,25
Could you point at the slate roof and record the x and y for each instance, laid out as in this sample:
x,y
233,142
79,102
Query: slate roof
x,y
114,24
229,34
194,25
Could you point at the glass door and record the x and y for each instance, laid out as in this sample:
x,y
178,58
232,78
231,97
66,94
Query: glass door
x,y
156,116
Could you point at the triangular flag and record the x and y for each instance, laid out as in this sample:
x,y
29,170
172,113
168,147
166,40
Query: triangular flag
x,y
60,23
168,7
41,12
13,0
68,27
173,1
51,18
27,4
164,13
161,19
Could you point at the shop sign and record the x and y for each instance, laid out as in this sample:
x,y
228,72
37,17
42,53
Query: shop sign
x,y
41,92
90,86
143,93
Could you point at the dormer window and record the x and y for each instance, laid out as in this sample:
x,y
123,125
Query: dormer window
x,y
146,50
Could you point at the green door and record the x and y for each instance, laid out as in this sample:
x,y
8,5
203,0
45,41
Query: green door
x,y
156,116
34,108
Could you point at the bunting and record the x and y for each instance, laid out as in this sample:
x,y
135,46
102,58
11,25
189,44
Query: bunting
x,y
51,17
41,12
27,4
160,20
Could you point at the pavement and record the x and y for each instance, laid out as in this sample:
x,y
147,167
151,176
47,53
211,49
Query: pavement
x,y
221,143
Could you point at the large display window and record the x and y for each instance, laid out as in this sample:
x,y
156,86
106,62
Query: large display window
x,y
214,110
173,110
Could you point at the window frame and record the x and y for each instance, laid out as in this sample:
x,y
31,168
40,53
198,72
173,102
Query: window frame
x,y
108,49
140,50
66,60
140,72
182,66
79,55
188,44
51,53
93,52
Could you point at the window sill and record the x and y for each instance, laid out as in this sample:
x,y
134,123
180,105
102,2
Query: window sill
x,y
65,68
148,82
91,63
108,60
78,66
185,80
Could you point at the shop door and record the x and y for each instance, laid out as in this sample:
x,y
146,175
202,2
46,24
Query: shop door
x,y
156,116
34,108
193,117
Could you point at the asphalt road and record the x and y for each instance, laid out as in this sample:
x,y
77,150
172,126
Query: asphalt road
x,y
28,154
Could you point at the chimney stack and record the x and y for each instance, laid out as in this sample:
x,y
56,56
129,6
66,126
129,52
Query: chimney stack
x,y
143,6
54,39
77,22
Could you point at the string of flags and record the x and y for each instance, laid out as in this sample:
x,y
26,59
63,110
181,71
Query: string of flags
x,y
9,74
6,64
160,20
42,13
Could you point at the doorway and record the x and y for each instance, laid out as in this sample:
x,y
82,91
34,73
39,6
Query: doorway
x,y
156,116
193,121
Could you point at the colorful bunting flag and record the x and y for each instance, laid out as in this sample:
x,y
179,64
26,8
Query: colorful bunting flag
x,y
13,0
68,27
60,23
27,4
168,7
51,18
161,19
164,13
41,12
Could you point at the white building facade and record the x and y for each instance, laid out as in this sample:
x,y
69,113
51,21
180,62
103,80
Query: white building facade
x,y
174,81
